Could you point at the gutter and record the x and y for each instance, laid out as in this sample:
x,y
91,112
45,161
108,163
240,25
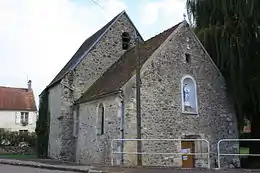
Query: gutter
x,y
98,97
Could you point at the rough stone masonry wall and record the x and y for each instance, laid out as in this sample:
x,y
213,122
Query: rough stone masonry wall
x,y
55,127
101,57
130,128
162,115
92,147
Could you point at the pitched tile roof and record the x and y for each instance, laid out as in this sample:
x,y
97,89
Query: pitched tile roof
x,y
20,99
120,72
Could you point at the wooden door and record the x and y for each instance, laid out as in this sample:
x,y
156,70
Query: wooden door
x,y
187,160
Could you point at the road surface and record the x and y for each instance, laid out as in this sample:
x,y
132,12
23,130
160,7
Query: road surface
x,y
22,169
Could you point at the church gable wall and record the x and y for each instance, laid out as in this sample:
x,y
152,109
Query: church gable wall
x,y
179,61
106,52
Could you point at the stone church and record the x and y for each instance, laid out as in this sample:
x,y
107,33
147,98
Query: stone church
x,y
92,100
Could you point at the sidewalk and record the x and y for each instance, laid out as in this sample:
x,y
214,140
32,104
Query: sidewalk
x,y
48,165
73,167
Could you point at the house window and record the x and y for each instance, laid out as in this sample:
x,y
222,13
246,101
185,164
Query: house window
x,y
24,118
101,120
189,95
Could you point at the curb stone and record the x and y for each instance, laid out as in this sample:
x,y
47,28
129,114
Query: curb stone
x,y
46,166
88,169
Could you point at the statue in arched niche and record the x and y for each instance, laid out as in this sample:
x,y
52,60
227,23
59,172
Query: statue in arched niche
x,y
186,95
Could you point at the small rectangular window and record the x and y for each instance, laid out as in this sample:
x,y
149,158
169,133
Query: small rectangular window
x,y
101,120
24,119
187,57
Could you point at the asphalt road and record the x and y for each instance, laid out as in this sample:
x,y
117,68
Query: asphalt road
x,y
22,169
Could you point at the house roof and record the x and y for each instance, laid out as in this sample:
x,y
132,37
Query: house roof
x,y
84,49
20,99
120,72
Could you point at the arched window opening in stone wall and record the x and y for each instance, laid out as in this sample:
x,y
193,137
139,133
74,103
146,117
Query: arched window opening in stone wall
x,y
101,120
189,95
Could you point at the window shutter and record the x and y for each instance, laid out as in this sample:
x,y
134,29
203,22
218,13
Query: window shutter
x,y
17,118
30,119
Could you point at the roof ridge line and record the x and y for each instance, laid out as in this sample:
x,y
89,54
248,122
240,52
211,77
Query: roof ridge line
x,y
12,87
138,33
86,52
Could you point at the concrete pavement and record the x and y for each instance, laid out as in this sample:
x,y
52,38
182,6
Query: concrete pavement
x,y
35,164
23,169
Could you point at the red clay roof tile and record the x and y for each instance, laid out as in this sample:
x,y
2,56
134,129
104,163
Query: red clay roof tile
x,y
17,99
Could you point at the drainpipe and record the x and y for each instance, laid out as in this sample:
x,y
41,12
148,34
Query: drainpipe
x,y
122,124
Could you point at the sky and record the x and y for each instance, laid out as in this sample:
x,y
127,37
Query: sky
x,y
38,37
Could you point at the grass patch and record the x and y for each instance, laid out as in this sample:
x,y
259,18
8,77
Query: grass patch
x,y
244,150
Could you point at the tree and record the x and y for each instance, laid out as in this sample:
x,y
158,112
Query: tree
x,y
42,126
229,30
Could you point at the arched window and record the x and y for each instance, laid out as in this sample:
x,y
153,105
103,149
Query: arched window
x,y
189,95
101,119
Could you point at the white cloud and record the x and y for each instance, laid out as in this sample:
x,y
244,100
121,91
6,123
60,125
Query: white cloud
x,y
164,10
159,15
150,13
38,37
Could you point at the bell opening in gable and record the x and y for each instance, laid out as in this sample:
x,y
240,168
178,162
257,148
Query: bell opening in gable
x,y
125,40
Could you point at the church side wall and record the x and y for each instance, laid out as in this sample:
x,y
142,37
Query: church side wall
x,y
161,100
92,147
55,129
97,61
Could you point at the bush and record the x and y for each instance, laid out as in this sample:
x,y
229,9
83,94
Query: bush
x,y
15,138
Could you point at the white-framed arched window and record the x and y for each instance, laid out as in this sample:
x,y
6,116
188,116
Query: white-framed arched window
x,y
101,119
189,95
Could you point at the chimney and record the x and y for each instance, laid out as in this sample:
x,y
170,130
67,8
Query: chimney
x,y
29,85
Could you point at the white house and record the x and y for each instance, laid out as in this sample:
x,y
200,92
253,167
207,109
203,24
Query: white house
x,y
18,111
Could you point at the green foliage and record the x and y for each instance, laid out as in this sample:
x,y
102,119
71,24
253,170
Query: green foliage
x,y
42,126
15,138
229,30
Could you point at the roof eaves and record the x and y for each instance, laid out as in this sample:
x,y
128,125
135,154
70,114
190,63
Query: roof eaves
x,y
204,49
86,52
132,50
82,100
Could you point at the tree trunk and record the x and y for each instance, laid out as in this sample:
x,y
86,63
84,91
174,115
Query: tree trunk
x,y
255,146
